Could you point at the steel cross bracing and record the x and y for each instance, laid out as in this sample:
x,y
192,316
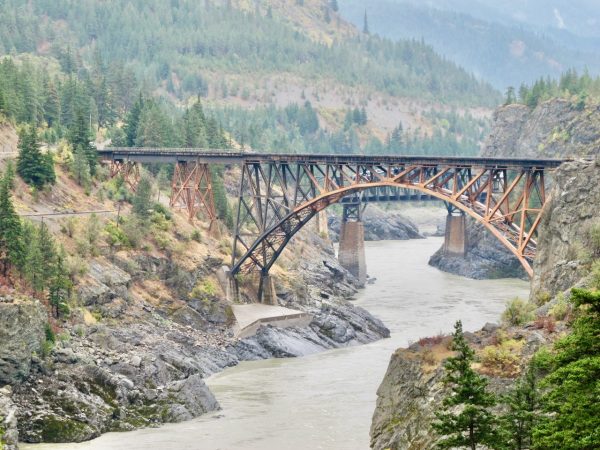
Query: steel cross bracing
x,y
277,199
280,193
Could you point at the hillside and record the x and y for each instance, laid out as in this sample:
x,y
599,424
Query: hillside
x,y
485,38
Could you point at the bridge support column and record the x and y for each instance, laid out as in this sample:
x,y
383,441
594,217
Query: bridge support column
x,y
351,252
321,224
455,239
129,170
267,294
191,189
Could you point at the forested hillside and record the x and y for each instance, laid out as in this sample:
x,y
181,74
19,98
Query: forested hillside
x,y
484,38
259,62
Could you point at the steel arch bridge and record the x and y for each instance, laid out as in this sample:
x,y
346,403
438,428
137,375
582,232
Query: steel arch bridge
x,y
280,193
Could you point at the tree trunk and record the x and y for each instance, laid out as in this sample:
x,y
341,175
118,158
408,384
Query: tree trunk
x,y
472,437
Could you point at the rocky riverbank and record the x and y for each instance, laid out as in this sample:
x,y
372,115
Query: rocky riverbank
x,y
380,225
411,390
127,359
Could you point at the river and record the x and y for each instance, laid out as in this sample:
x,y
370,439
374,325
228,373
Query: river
x,y
325,401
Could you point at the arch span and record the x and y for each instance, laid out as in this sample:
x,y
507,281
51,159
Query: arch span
x,y
508,202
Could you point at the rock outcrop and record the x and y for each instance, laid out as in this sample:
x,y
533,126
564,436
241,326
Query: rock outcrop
x,y
9,435
565,247
380,225
556,128
485,258
22,325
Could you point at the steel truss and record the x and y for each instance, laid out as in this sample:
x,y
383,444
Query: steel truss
x,y
191,189
277,198
129,170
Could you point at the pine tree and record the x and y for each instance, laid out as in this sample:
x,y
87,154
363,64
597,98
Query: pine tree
x,y
80,135
334,5
132,121
80,167
52,106
522,404
510,96
34,167
142,199
34,260
366,24
221,203
60,287
12,252
570,401
465,420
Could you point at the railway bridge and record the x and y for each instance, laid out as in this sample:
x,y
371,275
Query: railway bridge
x,y
280,193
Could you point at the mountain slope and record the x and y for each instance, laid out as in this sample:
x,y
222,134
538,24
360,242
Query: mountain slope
x,y
497,48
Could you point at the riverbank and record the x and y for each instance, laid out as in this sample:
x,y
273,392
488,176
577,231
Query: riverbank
x,y
326,400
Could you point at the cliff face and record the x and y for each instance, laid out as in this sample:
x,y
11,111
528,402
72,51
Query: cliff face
x,y
410,391
555,128
565,249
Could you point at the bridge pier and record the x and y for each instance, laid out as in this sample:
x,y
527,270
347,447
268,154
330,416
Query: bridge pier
x,y
266,290
351,252
191,188
455,238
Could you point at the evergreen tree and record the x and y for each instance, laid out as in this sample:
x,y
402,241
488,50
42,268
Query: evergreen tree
x,y
522,406
80,167
571,402
80,136
220,196
52,106
60,287
510,96
142,199
334,5
34,260
132,121
34,167
12,252
465,420
366,24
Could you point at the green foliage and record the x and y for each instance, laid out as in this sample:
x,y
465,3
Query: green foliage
x,y
221,203
204,290
594,236
116,237
80,167
595,275
502,359
569,84
141,202
12,248
571,418
521,409
518,312
59,287
80,137
35,168
465,419
561,308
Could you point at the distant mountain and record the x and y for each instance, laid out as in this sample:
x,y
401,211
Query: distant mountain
x,y
502,42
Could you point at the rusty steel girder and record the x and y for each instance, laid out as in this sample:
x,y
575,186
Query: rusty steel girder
x,y
277,198
191,189
129,170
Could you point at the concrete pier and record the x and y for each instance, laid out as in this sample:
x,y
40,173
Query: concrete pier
x,y
351,253
455,241
268,296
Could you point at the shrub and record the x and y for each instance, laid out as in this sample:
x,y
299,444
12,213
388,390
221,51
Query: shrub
x,y
502,359
594,234
542,298
561,308
115,236
517,312
595,275
204,290
196,236
430,341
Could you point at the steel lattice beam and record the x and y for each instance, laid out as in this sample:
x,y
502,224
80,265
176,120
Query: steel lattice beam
x,y
277,198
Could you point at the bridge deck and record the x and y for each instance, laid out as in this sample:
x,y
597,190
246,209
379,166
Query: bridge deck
x,y
172,155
